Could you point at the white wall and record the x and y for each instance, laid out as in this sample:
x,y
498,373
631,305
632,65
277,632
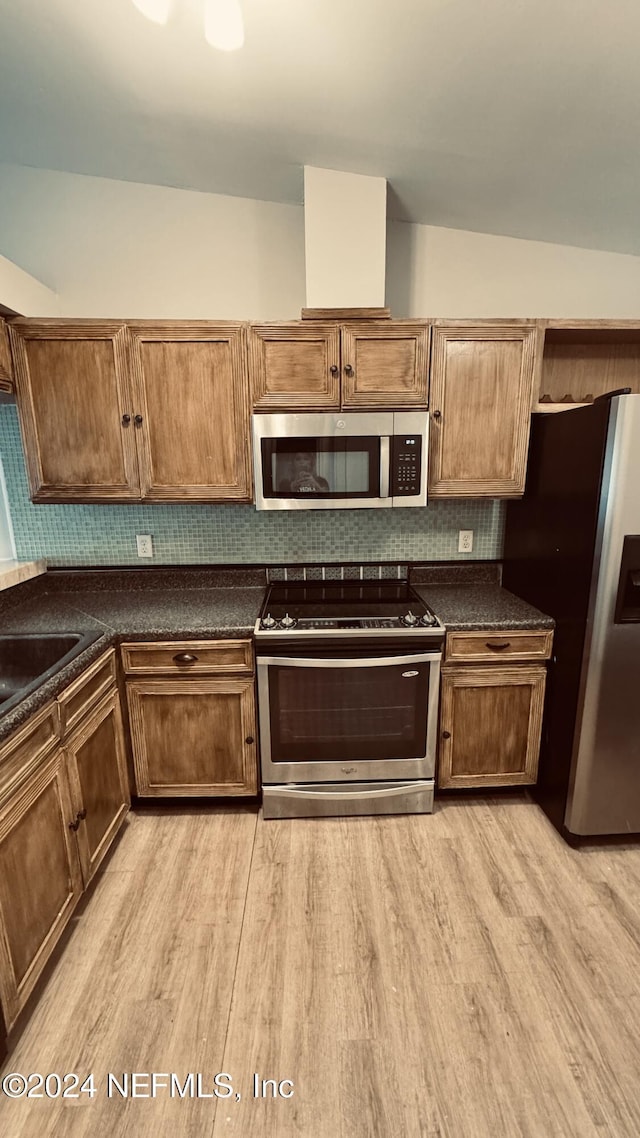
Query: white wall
x,y
24,294
110,248
450,272
121,249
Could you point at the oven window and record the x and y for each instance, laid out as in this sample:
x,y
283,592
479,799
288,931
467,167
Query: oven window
x,y
331,714
321,468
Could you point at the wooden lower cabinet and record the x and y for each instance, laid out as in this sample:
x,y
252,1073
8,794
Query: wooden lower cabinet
x,y
490,725
193,736
40,878
98,778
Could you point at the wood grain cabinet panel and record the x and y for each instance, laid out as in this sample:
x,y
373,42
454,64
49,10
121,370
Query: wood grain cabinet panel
x,y
385,364
295,366
480,647
482,381
188,657
40,879
490,725
192,407
76,411
193,736
99,784
6,366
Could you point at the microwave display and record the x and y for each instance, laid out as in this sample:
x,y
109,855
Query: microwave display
x,y
321,467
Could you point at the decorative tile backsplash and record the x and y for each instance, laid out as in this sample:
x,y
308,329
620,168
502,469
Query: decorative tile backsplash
x,y
200,534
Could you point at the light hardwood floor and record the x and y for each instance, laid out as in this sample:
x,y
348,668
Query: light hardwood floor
x,y
465,975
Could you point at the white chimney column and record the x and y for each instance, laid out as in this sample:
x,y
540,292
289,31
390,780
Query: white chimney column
x,y
345,223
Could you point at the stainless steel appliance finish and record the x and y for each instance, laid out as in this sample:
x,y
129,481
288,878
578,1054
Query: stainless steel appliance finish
x,y
354,460
572,547
356,799
604,788
347,699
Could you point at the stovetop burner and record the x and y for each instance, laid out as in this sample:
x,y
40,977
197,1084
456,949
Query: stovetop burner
x,y
362,608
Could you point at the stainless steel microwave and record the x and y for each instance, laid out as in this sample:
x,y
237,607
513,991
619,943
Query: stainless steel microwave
x,y
340,460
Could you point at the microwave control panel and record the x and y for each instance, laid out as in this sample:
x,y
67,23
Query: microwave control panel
x,y
406,465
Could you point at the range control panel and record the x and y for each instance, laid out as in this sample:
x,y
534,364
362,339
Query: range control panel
x,y
406,465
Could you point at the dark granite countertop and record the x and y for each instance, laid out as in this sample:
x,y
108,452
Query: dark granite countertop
x,y
474,606
200,610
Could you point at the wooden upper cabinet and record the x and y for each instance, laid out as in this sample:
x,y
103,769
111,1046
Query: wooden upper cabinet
x,y
74,397
191,399
316,366
295,366
482,380
384,364
6,367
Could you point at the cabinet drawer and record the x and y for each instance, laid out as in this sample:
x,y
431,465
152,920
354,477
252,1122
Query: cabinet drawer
x,y
502,644
189,657
24,749
85,692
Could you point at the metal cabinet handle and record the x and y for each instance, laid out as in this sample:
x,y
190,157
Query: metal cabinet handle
x,y
126,419
80,816
348,370
446,734
249,739
185,658
497,646
437,414
334,369
137,420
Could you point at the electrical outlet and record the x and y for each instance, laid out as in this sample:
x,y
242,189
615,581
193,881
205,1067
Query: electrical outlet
x,y
465,541
144,542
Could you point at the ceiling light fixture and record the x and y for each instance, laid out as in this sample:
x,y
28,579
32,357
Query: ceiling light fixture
x,y
156,10
223,26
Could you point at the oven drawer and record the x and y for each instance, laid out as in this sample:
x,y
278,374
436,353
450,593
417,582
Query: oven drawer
x,y
193,657
359,798
480,647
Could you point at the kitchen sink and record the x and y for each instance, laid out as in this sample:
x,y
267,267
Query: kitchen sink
x,y
28,660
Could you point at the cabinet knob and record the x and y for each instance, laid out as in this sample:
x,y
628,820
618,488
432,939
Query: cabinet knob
x,y
348,370
437,414
185,658
334,369
126,419
249,739
137,420
446,734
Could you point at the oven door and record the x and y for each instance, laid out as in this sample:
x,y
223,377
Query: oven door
x,y
332,719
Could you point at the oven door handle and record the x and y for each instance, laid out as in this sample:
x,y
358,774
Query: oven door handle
x,y
363,662
385,465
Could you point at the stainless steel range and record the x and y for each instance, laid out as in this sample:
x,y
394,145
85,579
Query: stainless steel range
x,y
348,683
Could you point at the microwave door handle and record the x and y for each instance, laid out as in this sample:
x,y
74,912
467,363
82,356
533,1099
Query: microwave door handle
x,y
385,459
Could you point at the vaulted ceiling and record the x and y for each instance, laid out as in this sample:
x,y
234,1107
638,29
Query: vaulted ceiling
x,y
517,117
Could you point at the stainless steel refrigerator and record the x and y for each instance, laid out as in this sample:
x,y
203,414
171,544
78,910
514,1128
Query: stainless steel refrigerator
x,y
572,548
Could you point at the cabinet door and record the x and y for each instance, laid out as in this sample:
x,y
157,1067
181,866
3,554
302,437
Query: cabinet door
x,y
98,777
6,369
76,414
481,392
385,364
193,737
490,724
40,880
295,366
192,403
